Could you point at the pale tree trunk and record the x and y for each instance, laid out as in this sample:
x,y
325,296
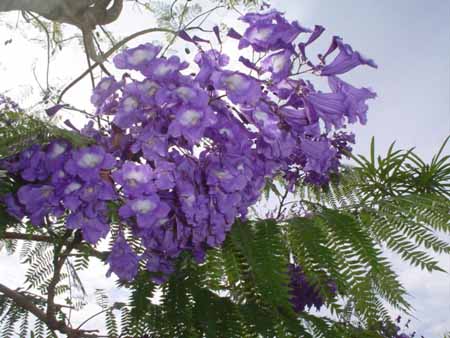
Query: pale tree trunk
x,y
84,14
51,9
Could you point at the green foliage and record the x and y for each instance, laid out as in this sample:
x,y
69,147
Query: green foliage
x,y
395,203
241,290
39,257
177,14
337,232
233,3
17,322
19,130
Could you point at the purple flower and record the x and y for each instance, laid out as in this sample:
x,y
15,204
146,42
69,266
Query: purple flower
x,y
296,118
226,203
317,32
319,155
189,151
128,112
355,98
285,88
88,162
105,88
94,191
209,61
163,175
249,64
240,88
144,90
92,228
303,294
230,133
36,169
227,177
330,107
346,60
54,109
8,104
185,94
122,260
160,264
153,144
212,57
165,69
341,142
276,151
13,207
267,122
191,123
39,201
71,195
279,64
147,209
135,179
187,196
269,31
56,154
137,58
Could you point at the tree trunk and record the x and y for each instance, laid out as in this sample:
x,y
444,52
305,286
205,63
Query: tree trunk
x,y
85,14
51,9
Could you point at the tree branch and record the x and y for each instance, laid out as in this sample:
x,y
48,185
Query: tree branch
x,y
110,52
26,237
27,304
24,302
58,263
46,8
282,204
83,247
62,250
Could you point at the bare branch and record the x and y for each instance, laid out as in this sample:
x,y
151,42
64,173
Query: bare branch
x,y
23,301
58,263
111,51
47,34
26,303
26,237
83,247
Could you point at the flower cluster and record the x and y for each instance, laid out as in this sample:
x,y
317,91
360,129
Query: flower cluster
x,y
189,146
303,294
7,104
394,331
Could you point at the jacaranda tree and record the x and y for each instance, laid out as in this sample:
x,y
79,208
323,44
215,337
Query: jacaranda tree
x,y
169,169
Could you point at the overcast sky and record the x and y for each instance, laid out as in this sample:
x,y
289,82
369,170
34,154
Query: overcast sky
x,y
408,39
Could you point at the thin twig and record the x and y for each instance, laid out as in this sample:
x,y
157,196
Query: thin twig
x,y
180,24
26,303
88,61
89,251
48,46
111,51
282,200
58,263
202,14
92,317
102,66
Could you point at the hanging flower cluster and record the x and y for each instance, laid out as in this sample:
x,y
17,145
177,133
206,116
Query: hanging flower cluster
x,y
7,104
394,331
303,295
188,151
